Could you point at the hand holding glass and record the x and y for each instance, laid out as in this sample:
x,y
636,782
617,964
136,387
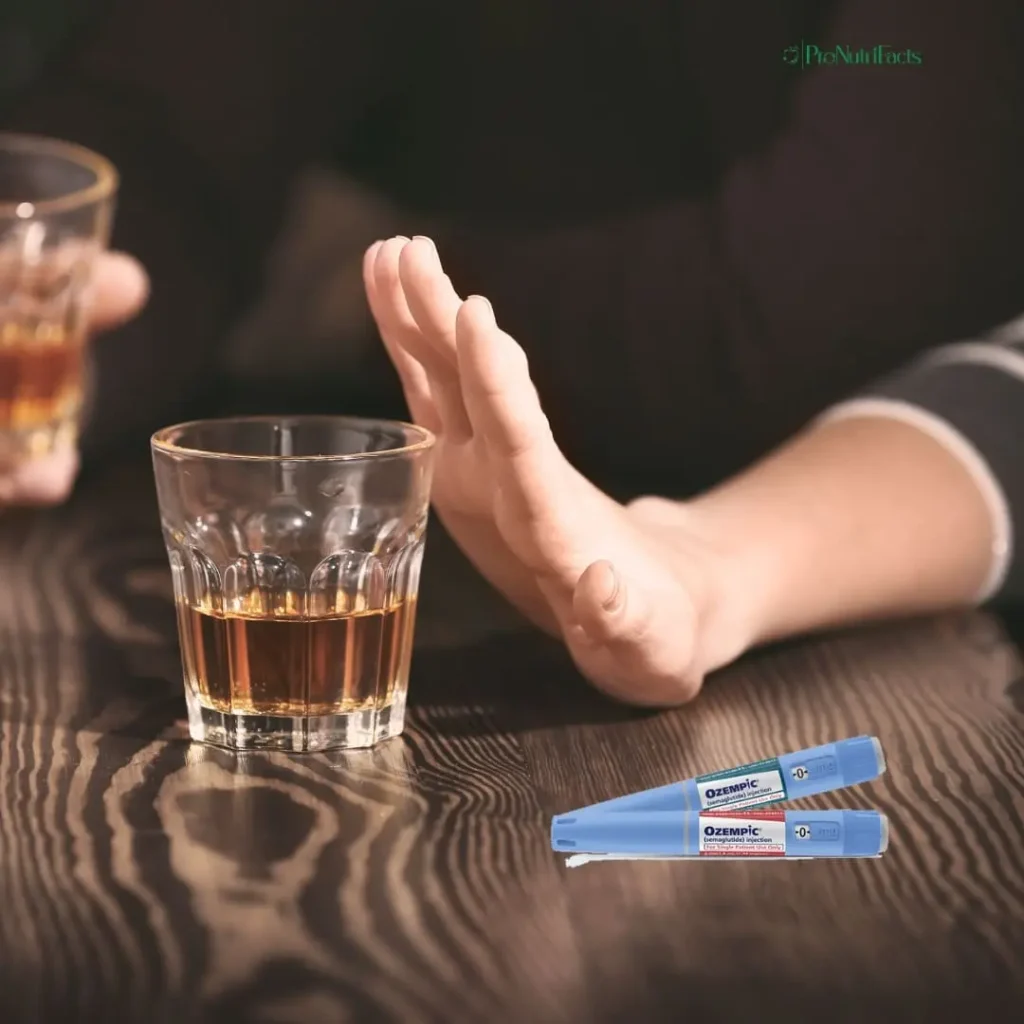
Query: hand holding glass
x,y
56,206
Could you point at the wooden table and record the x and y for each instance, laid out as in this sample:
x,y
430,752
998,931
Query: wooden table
x,y
144,878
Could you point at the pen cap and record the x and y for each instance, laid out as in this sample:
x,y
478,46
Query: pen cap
x,y
860,759
865,833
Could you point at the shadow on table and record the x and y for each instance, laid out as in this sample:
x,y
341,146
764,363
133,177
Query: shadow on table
x,y
511,682
1012,619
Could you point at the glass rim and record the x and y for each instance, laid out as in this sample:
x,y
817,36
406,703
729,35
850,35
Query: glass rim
x,y
162,441
102,188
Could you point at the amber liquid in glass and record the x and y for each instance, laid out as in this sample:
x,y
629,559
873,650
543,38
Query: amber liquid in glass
x,y
294,667
41,372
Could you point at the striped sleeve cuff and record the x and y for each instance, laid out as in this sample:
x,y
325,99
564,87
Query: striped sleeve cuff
x,y
970,398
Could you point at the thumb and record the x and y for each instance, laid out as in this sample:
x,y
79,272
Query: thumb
x,y
120,290
647,639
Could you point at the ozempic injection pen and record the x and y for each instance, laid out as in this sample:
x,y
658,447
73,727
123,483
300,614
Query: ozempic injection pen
x,y
725,834
821,769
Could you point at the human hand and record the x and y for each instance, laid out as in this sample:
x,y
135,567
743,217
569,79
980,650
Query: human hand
x,y
637,597
120,291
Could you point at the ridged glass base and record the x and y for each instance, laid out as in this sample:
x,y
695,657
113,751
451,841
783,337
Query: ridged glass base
x,y
300,735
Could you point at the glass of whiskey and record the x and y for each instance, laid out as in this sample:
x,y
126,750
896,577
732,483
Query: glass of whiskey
x,y
56,207
295,546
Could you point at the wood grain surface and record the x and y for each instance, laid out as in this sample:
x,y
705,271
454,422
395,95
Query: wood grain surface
x,y
143,878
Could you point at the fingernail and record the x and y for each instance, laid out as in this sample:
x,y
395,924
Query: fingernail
x,y
484,299
423,238
611,588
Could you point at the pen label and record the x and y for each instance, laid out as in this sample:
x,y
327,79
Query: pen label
x,y
759,834
750,785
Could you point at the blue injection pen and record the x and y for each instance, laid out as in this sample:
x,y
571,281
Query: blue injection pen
x,y
722,834
821,769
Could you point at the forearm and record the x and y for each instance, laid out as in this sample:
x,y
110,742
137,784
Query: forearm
x,y
855,519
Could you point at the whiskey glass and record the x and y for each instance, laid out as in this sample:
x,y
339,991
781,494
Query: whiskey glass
x,y
56,208
295,546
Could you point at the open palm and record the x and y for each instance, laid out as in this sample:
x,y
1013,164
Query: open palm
x,y
628,594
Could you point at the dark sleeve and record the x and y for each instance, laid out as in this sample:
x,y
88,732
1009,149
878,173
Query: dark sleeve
x,y
207,109
884,218
969,396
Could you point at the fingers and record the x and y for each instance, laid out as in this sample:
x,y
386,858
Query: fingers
x,y
500,396
476,375
414,379
44,481
120,290
505,411
645,659
432,300
401,333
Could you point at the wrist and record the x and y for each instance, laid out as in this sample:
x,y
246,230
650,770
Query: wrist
x,y
719,573
745,575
